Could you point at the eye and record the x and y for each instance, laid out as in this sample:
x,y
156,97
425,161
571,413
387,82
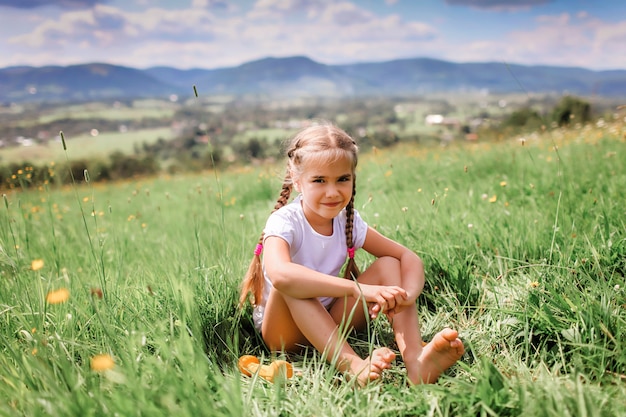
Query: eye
x,y
318,180
344,179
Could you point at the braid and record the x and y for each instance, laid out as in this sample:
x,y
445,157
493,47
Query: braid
x,y
350,220
352,270
254,281
285,192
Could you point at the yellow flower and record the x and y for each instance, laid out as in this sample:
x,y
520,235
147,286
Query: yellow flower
x,y
58,296
502,183
36,264
102,362
534,284
493,199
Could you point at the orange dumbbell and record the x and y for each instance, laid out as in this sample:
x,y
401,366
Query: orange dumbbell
x,y
249,365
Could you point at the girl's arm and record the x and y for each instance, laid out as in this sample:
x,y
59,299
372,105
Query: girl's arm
x,y
299,281
411,266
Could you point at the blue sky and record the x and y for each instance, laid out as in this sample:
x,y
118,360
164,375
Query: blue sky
x,y
222,33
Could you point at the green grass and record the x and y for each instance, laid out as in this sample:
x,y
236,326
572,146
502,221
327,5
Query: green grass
x,y
138,109
87,146
271,135
525,253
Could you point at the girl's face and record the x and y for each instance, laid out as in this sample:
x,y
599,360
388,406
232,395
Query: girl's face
x,y
326,188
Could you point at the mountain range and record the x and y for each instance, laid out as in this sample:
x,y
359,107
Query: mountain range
x,y
301,76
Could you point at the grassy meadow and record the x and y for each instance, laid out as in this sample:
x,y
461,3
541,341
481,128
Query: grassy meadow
x,y
120,299
87,146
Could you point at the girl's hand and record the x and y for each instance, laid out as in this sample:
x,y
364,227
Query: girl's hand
x,y
381,298
400,306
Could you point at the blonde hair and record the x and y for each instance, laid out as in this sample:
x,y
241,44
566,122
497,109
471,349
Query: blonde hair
x,y
321,142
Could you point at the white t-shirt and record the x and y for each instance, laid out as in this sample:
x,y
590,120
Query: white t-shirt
x,y
325,254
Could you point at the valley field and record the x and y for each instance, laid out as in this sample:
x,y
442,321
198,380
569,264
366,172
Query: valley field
x,y
121,299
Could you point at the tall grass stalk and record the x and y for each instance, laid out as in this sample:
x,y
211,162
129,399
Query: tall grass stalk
x,y
98,262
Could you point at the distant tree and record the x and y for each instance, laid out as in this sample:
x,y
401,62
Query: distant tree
x,y
380,138
212,158
78,168
124,166
252,149
571,109
523,118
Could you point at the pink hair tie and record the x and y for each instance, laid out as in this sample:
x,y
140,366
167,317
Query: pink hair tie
x,y
258,249
351,252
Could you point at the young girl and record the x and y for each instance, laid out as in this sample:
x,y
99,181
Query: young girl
x,y
297,295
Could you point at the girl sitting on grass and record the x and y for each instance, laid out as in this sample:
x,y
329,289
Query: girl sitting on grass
x,y
297,295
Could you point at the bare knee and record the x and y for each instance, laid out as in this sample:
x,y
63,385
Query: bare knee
x,y
383,271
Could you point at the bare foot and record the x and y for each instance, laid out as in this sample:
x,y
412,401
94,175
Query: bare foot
x,y
438,355
372,367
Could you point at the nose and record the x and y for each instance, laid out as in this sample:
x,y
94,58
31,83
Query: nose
x,y
331,190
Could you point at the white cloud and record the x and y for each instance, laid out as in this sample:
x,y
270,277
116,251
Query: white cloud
x,y
608,43
556,40
583,43
328,31
32,4
346,14
499,5
287,8
51,33
556,20
104,26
